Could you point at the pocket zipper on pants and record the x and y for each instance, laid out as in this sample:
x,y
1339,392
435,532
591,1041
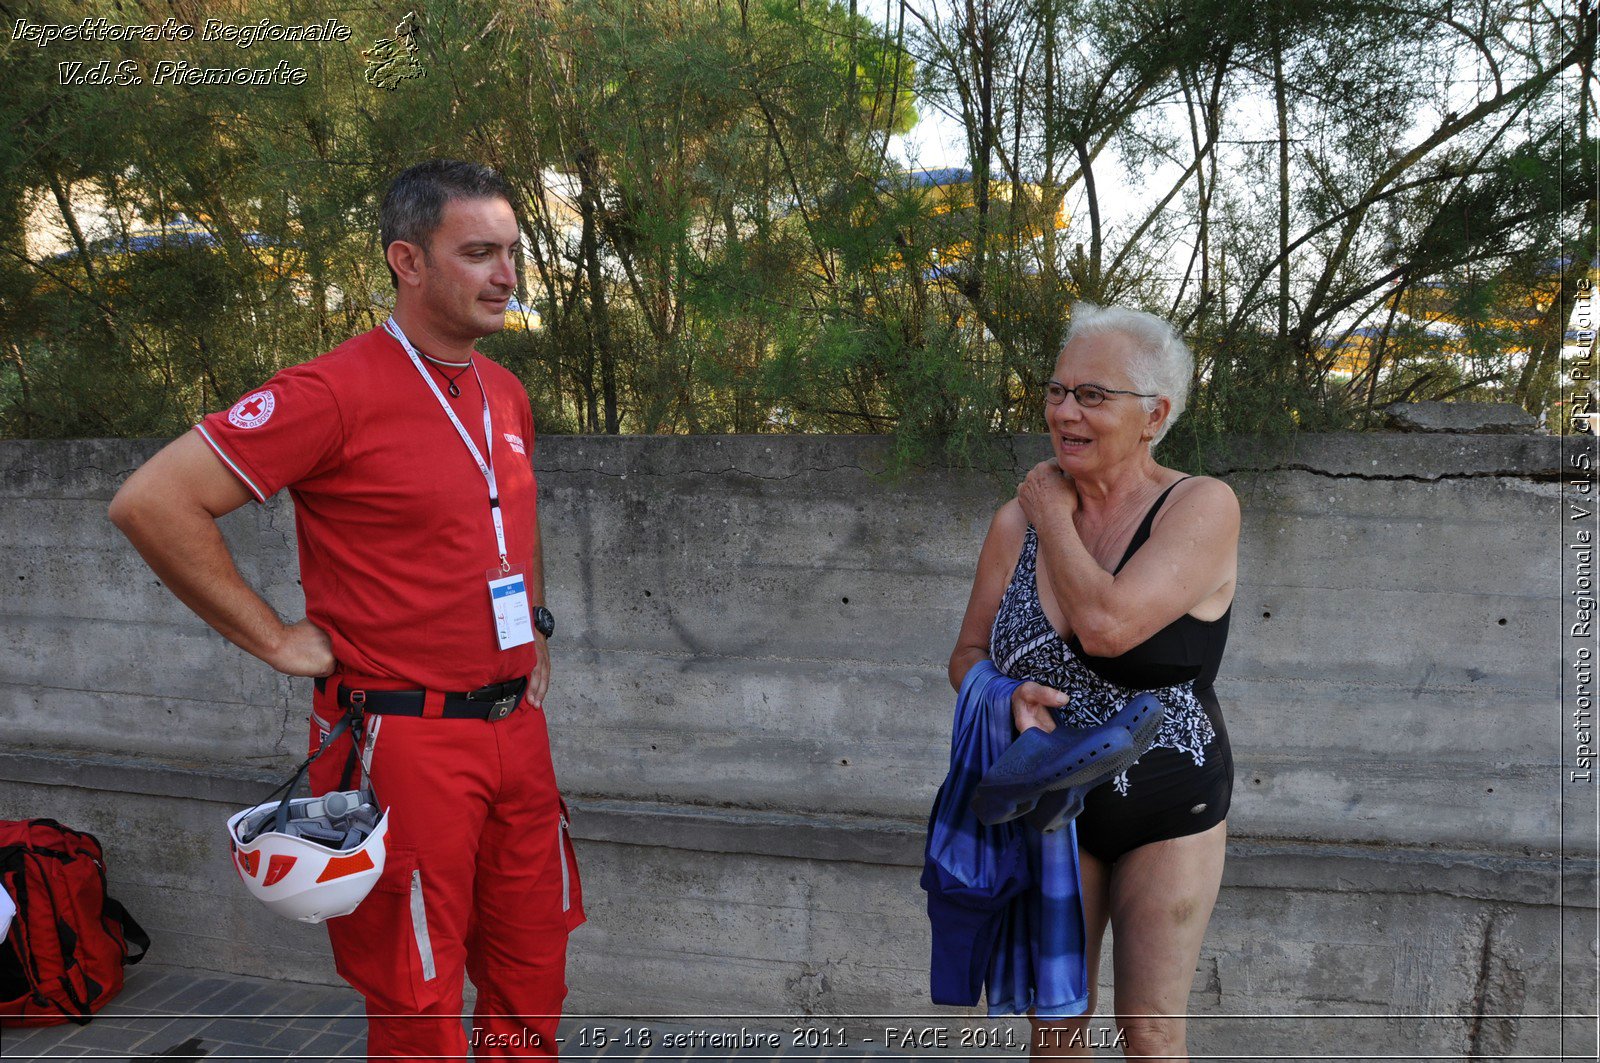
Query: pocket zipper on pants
x,y
561,853
419,926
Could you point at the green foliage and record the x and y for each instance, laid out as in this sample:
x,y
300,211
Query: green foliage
x,y
719,239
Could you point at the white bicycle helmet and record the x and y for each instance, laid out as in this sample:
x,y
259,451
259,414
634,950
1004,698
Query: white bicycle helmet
x,y
311,858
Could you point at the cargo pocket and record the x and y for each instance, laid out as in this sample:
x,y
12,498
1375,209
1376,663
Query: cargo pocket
x,y
383,948
571,887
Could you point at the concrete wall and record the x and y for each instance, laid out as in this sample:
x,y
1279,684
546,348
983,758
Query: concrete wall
x,y
751,713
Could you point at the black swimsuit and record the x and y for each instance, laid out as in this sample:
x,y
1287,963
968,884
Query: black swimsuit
x,y
1183,785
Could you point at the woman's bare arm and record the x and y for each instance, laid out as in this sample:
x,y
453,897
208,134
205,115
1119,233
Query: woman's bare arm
x,y
1191,555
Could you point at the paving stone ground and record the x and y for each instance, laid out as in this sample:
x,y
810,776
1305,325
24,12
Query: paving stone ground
x,y
169,1013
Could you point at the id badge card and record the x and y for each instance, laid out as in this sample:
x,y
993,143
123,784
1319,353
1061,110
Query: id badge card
x,y
508,597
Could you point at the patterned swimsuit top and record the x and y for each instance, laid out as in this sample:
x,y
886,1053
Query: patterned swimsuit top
x,y
1177,664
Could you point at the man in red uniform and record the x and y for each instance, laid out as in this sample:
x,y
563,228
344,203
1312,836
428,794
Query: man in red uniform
x,y
407,456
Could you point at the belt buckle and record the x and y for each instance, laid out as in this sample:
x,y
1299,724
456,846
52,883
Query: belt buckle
x,y
503,708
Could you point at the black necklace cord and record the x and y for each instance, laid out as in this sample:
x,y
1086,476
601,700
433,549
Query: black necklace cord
x,y
455,392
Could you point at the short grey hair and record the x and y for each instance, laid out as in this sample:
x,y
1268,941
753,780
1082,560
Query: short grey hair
x,y
1162,363
413,205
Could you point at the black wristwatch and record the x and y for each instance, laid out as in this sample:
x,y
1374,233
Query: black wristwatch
x,y
543,622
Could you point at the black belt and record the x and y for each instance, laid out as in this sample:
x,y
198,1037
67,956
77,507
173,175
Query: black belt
x,y
493,702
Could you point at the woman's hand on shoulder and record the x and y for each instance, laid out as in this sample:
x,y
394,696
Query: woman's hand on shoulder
x,y
1046,492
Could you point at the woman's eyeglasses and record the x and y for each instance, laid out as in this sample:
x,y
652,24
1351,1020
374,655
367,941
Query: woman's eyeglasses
x,y
1088,395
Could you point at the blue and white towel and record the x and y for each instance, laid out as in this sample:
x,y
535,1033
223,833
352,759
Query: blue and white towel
x,y
1004,901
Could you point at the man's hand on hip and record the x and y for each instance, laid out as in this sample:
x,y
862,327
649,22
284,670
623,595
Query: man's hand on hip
x,y
539,682
304,649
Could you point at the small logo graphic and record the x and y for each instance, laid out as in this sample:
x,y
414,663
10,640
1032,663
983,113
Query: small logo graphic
x,y
392,60
516,443
253,411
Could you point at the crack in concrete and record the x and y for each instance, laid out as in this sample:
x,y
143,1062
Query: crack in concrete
x,y
1483,986
281,747
1345,888
102,499
730,469
158,696
691,658
1540,476
120,474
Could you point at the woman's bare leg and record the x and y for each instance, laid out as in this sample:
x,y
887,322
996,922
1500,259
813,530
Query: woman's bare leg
x,y
1160,901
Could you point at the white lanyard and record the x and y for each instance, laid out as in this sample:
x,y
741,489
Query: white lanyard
x,y
485,467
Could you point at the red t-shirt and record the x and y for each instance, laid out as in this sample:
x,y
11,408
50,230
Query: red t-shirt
x,y
391,512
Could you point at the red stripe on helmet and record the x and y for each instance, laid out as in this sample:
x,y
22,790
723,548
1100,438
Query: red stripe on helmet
x,y
278,867
340,866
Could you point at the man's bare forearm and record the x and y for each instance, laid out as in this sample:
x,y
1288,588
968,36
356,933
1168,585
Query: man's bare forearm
x,y
187,552
168,509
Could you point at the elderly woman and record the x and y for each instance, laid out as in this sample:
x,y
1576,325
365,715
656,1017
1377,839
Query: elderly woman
x,y
1109,574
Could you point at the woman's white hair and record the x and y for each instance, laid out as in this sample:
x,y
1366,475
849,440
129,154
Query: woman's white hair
x,y
1162,364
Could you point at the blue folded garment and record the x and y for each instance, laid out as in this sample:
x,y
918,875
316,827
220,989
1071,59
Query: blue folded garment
x,y
1003,900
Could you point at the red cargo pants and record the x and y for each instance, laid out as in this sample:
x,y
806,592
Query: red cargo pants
x,y
480,878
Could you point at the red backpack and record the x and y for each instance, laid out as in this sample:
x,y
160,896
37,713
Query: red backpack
x,y
62,958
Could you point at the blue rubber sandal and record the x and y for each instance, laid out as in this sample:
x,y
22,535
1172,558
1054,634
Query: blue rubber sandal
x,y
1056,808
1041,762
